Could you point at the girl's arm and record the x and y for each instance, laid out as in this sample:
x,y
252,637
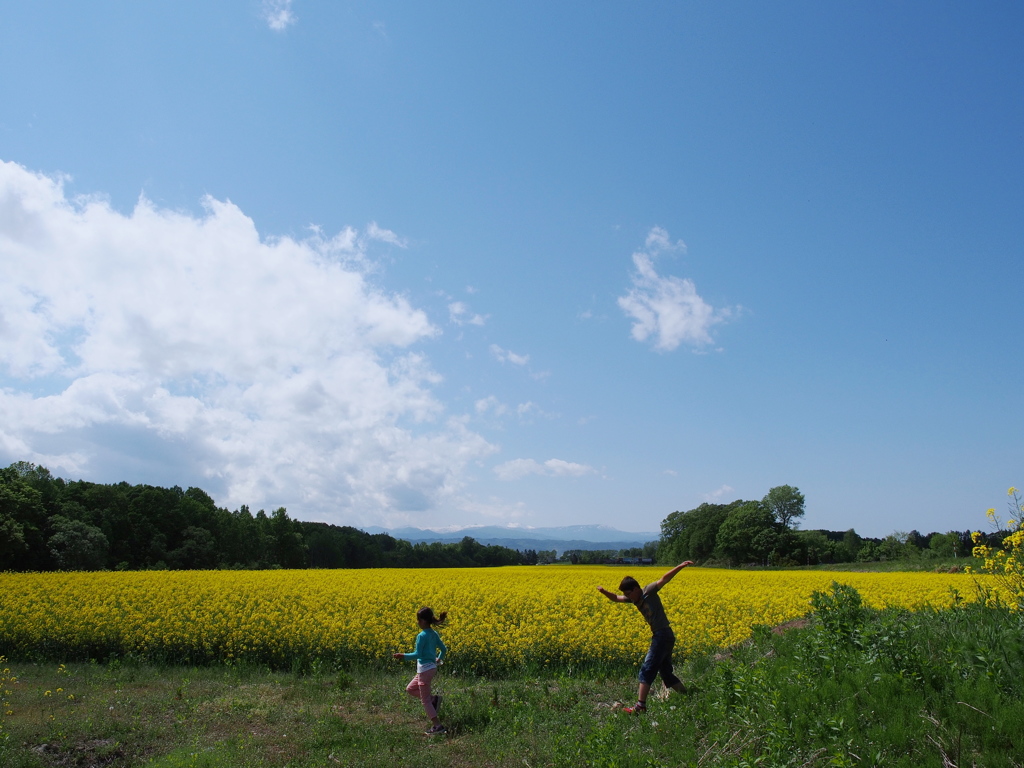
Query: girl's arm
x,y
441,647
415,654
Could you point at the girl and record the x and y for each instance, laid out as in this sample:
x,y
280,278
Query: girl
x,y
428,643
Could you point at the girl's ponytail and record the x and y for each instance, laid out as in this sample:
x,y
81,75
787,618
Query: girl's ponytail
x,y
427,615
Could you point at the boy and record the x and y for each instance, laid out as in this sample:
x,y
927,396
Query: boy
x,y
659,656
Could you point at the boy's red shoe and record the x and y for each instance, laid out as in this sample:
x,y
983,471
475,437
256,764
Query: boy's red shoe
x,y
638,709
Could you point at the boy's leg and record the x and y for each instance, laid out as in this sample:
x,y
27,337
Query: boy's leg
x,y
641,700
657,661
665,668
642,692
648,673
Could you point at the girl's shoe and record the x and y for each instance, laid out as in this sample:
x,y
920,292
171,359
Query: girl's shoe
x,y
435,730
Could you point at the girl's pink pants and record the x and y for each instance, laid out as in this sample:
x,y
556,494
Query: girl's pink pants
x,y
419,688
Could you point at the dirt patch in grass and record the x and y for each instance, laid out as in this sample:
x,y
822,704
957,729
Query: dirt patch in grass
x,y
95,753
779,629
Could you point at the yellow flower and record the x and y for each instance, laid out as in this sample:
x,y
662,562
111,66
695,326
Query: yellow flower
x,y
499,618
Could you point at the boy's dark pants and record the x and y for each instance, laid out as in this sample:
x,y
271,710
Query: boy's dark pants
x,y
658,660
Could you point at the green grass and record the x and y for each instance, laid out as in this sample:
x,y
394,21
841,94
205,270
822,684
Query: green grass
x,y
852,688
926,564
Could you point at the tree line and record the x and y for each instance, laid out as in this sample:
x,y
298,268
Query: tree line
x,y
48,523
765,533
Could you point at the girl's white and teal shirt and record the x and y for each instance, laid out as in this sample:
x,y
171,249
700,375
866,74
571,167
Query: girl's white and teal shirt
x,y
428,643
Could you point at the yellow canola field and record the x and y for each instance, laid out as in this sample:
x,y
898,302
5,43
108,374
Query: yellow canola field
x,y
499,618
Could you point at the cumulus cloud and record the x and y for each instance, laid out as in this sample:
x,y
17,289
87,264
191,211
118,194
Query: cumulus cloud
x,y
373,232
667,309
490,404
273,368
507,356
519,468
718,494
658,240
527,409
459,314
278,14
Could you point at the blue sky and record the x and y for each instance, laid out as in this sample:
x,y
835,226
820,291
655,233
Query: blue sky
x,y
537,264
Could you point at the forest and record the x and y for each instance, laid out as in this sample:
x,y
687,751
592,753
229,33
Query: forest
x,y
765,533
48,523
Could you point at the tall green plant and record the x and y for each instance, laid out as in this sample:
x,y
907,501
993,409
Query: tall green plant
x,y
1006,563
839,611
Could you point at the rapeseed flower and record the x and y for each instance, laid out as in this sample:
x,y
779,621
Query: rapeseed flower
x,y
499,618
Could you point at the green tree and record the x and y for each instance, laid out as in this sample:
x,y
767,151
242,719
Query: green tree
x,y
12,537
943,544
289,548
748,535
868,552
650,550
816,547
896,546
22,520
852,544
786,504
198,550
693,535
547,556
76,545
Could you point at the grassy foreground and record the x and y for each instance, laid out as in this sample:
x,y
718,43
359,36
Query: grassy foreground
x,y
851,688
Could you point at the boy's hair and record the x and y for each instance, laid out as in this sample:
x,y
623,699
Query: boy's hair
x,y
628,584
427,615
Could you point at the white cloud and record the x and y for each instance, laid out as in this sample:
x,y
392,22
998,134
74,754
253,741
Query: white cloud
x,y
274,370
373,232
667,308
459,314
507,356
658,240
527,409
278,14
490,404
718,494
519,468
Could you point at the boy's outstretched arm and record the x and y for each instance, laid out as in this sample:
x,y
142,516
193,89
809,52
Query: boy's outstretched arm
x,y
612,596
671,574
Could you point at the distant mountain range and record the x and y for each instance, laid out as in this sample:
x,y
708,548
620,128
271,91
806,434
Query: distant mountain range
x,y
559,538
